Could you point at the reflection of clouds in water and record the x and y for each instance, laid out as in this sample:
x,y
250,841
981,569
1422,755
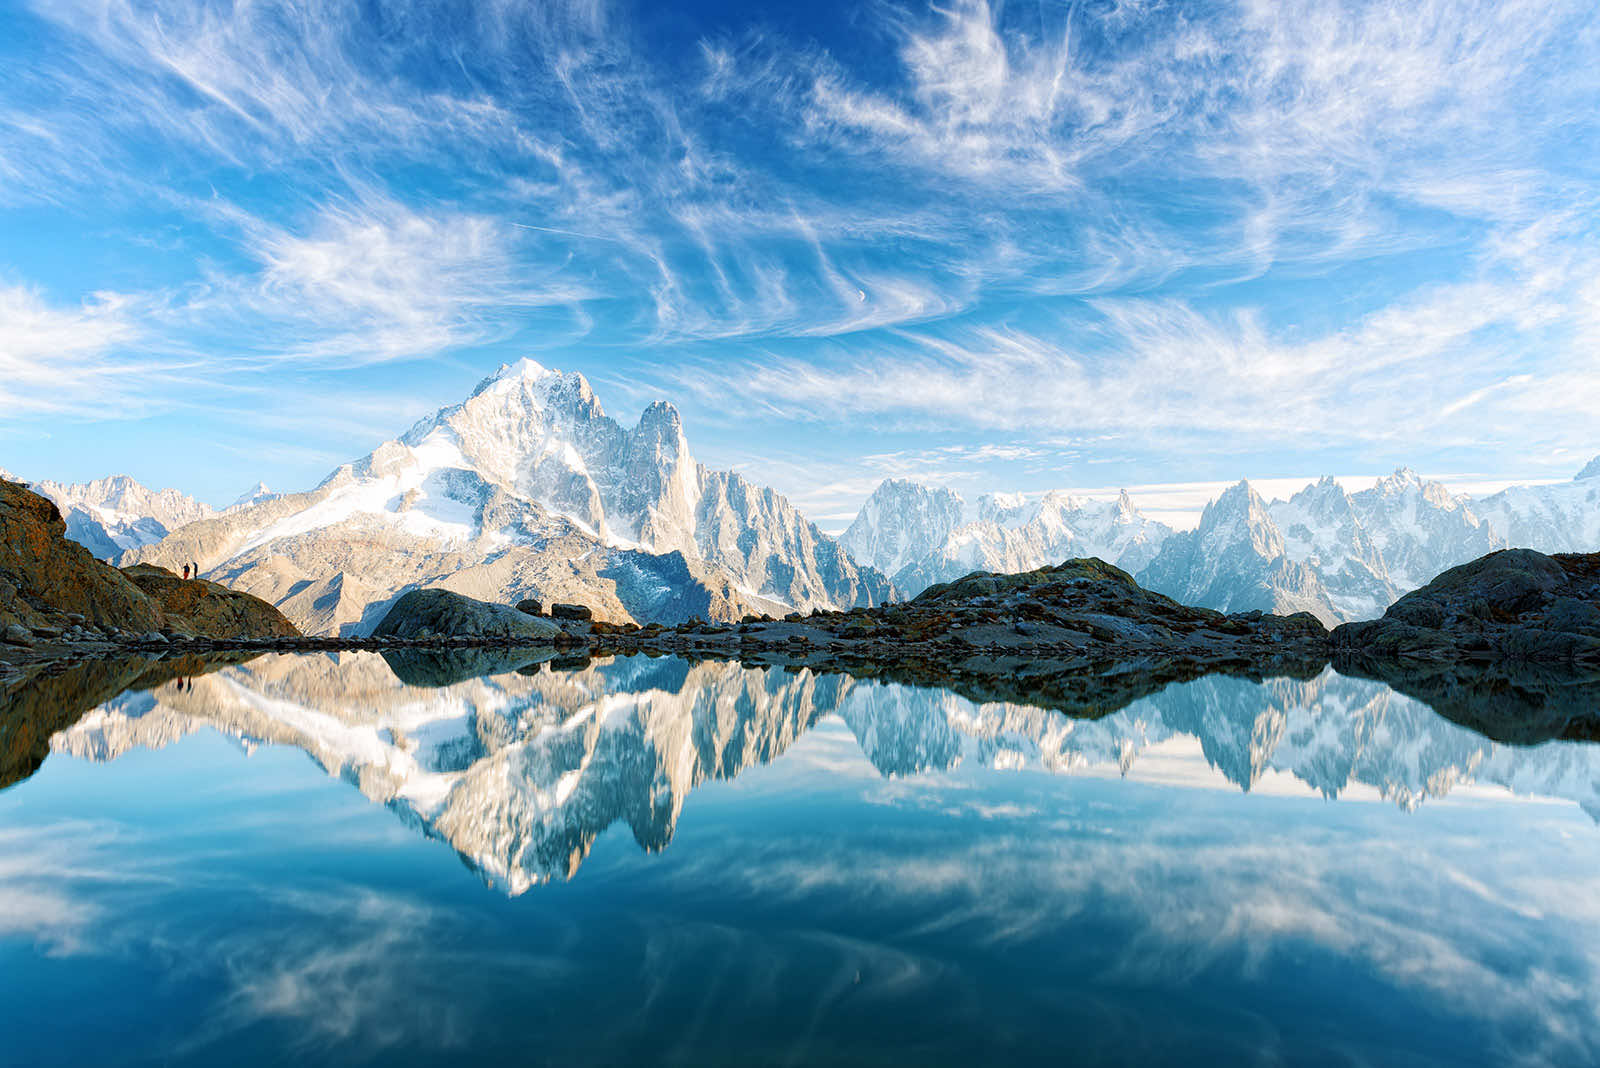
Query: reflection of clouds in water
x,y
521,774
342,966
899,890
697,975
44,868
1437,916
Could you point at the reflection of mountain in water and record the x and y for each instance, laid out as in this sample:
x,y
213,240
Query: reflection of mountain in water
x,y
520,770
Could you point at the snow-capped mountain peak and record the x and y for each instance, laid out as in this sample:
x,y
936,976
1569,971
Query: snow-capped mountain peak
x,y
1235,561
528,488
1560,517
254,495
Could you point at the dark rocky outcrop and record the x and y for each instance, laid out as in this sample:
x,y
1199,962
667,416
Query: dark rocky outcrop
x,y
56,589
1514,605
45,579
443,613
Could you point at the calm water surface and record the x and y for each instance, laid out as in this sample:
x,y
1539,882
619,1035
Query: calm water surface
x,y
325,859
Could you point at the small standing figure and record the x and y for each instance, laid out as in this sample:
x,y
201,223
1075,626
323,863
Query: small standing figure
x,y
196,566
186,571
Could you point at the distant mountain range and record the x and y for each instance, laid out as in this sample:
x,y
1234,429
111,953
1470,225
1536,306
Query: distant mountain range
x,y
112,515
528,488
1341,556
521,771
920,535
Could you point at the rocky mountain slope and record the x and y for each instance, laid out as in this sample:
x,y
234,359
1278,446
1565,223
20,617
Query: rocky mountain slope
x,y
528,489
520,771
919,535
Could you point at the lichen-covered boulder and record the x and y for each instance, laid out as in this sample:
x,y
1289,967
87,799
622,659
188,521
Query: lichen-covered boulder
x,y
1516,604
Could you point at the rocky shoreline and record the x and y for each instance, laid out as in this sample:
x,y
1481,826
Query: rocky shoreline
x,y
1076,615
1081,636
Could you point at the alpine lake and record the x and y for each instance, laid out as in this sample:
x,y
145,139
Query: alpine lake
x,y
481,857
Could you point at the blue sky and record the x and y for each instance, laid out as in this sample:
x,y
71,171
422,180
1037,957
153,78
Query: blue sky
x,y
1003,247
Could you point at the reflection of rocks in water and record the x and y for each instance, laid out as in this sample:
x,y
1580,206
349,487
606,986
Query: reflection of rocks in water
x,y
55,696
521,772
1510,702
1081,687
448,666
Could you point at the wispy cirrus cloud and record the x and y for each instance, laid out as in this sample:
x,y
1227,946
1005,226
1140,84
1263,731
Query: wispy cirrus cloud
x,y
1214,227
1168,369
373,280
60,359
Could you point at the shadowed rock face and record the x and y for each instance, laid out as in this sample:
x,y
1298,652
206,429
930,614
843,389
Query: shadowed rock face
x,y
1517,605
44,577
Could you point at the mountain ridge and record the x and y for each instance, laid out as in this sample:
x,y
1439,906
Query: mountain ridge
x,y
527,488
1342,555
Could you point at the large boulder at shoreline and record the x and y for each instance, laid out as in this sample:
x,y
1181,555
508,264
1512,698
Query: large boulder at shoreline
x,y
446,614
1516,604
208,608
